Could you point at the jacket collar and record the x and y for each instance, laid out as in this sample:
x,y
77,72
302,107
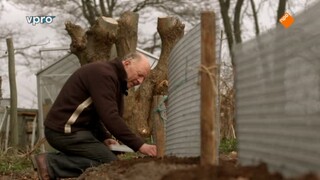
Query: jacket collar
x,y
122,75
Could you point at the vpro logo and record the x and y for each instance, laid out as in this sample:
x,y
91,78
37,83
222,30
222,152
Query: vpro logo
x,y
39,19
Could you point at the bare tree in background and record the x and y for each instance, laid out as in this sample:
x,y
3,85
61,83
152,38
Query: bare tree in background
x,y
85,12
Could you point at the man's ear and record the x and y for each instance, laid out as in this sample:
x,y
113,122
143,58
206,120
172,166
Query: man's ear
x,y
126,62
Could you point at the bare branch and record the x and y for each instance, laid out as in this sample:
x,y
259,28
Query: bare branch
x,y
103,8
236,21
255,16
227,24
144,4
111,6
36,44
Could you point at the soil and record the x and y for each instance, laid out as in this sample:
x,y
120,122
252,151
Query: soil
x,y
173,168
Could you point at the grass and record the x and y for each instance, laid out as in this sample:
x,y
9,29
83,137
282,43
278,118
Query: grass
x,y
128,155
228,145
11,163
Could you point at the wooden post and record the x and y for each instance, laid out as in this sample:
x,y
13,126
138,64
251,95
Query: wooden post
x,y
33,136
14,127
0,87
209,145
158,124
6,146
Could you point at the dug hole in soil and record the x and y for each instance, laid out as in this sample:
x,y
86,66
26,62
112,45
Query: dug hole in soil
x,y
174,168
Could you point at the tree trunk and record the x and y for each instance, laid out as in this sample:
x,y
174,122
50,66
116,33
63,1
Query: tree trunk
x,y
88,11
236,22
255,16
281,10
126,43
171,30
227,126
96,43
224,9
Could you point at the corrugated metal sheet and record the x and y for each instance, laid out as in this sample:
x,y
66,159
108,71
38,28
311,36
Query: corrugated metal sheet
x,y
278,97
183,123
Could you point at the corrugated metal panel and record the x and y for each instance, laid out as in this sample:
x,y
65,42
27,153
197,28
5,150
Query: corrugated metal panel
x,y
183,124
278,97
183,127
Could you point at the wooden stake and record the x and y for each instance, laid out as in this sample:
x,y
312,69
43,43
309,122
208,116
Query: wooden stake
x,y
14,127
158,124
209,145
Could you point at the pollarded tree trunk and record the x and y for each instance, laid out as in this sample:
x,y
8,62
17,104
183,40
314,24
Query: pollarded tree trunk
x,y
94,44
171,30
126,43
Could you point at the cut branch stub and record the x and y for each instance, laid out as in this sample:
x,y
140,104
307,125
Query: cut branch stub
x,y
128,33
96,43
78,37
105,29
101,36
171,29
78,41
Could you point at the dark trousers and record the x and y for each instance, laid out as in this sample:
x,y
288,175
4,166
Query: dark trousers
x,y
78,151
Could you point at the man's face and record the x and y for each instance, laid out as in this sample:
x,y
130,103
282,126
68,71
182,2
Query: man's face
x,y
137,71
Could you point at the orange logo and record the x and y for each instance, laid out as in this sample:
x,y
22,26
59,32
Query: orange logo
x,y
286,20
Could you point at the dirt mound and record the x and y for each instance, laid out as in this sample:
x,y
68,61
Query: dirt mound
x,y
169,168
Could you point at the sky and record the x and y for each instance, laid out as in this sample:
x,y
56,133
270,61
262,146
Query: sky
x,y
26,77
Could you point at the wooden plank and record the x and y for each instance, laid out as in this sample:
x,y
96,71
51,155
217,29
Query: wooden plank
x,y
209,145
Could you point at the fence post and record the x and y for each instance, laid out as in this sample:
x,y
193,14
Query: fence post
x,y
14,127
209,142
158,124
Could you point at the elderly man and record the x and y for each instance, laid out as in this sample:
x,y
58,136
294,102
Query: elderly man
x,y
87,111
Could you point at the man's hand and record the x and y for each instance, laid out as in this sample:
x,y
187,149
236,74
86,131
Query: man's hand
x,y
147,149
109,142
